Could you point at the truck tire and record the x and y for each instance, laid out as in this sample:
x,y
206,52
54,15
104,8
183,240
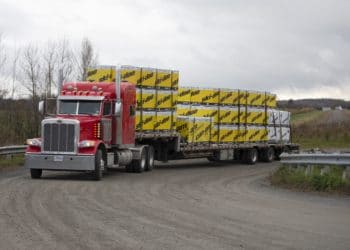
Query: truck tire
x,y
139,165
36,173
268,154
150,159
250,156
97,174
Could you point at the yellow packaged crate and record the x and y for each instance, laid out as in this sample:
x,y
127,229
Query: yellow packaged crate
x,y
256,134
174,93
255,98
131,74
226,133
163,120
175,79
226,97
148,77
263,133
241,135
164,99
194,129
214,135
205,111
228,115
205,96
145,120
242,114
242,97
145,98
163,79
271,100
101,74
255,116
236,97
183,109
184,95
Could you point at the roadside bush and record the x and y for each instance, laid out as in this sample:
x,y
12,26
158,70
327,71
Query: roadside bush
x,y
295,178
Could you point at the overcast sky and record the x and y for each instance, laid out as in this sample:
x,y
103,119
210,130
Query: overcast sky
x,y
294,48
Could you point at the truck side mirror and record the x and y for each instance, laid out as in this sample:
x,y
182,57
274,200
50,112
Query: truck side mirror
x,y
41,107
117,109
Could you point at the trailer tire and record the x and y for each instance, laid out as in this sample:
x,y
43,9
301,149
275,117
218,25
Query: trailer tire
x,y
97,173
150,159
268,154
139,165
250,156
36,173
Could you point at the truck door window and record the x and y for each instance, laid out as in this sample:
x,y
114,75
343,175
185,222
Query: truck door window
x,y
107,108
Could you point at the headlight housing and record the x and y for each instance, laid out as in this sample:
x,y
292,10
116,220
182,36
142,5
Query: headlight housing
x,y
34,142
86,144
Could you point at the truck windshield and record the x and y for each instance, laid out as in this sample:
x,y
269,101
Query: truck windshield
x,y
72,107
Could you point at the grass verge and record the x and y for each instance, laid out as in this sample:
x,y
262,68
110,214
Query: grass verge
x,y
11,161
295,178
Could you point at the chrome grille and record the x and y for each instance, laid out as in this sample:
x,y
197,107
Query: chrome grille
x,y
59,137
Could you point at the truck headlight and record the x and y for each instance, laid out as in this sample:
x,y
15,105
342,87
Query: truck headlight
x,y
34,142
86,144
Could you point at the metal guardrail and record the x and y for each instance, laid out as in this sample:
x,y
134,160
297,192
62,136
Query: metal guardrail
x,y
341,159
11,150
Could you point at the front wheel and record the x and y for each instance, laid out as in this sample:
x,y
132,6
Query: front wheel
x,y
36,173
97,174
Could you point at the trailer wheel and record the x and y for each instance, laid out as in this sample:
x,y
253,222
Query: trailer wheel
x,y
268,154
36,173
250,156
97,174
139,165
150,159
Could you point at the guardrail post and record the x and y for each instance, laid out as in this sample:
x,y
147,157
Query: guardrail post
x,y
346,173
308,170
325,170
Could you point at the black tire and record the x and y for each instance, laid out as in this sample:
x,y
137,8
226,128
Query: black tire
x,y
139,165
36,173
129,168
268,154
250,156
97,173
150,159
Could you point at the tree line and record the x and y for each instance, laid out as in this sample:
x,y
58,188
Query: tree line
x,y
31,73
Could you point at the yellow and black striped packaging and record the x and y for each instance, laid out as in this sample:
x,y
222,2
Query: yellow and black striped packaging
x,y
163,120
175,80
163,79
255,98
184,95
145,120
131,74
101,74
164,99
255,115
145,98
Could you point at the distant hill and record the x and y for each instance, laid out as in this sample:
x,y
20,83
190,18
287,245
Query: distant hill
x,y
313,103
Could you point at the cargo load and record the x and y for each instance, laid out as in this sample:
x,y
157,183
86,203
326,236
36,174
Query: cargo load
x,y
194,129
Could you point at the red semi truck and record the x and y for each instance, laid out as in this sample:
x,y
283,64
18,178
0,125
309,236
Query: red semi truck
x,y
94,129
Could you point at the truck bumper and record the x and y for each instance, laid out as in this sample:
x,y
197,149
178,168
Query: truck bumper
x,y
60,162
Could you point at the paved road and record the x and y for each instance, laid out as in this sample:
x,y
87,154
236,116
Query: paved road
x,y
187,205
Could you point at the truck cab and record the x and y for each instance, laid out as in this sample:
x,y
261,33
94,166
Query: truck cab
x,y
92,129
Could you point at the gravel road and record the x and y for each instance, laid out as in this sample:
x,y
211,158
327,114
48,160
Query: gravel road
x,y
182,205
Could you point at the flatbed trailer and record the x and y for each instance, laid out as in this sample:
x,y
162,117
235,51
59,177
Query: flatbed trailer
x,y
169,146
